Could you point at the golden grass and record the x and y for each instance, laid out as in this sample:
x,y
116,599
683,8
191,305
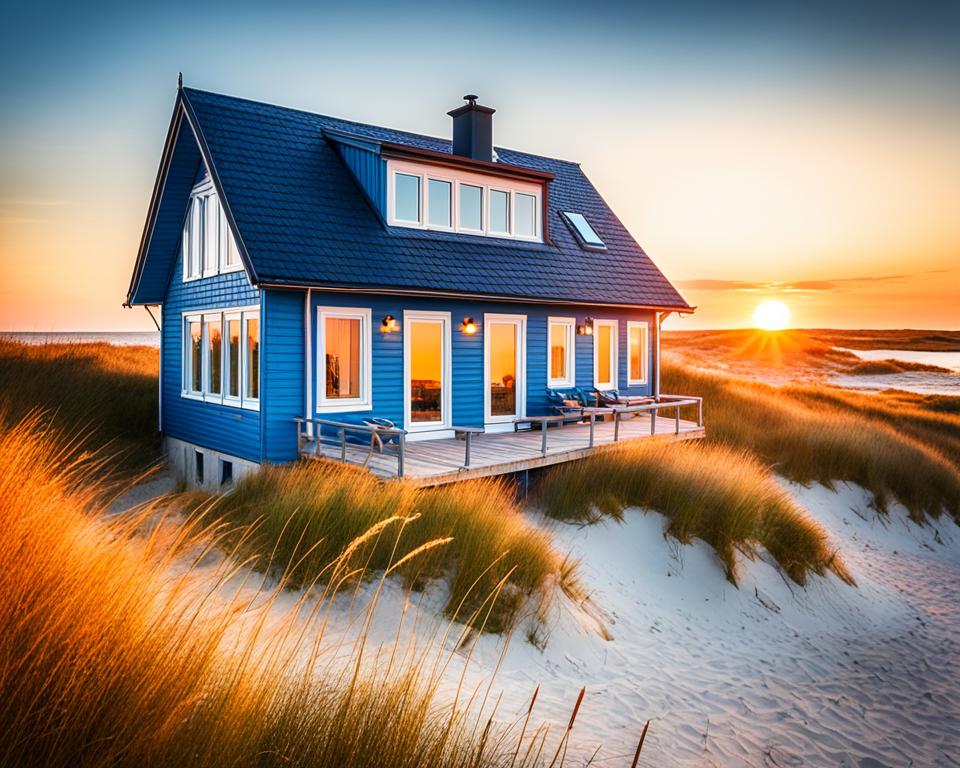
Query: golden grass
x,y
113,654
721,495
825,435
307,513
107,392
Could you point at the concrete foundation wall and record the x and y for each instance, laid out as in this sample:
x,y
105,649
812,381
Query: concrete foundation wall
x,y
182,457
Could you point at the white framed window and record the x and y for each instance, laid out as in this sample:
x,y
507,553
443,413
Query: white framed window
x,y
344,359
221,356
232,354
209,247
433,197
251,359
193,356
605,345
213,355
638,352
561,332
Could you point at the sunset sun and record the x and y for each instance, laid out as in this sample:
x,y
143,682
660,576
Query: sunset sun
x,y
771,316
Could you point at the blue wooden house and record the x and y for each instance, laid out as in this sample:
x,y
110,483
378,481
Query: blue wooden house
x,y
315,272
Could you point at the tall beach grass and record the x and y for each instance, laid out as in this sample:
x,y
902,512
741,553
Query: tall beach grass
x,y
721,495
810,435
115,653
307,513
106,393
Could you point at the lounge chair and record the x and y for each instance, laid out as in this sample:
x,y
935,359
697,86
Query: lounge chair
x,y
611,398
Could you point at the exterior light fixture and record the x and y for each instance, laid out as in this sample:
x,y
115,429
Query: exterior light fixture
x,y
469,325
587,328
389,324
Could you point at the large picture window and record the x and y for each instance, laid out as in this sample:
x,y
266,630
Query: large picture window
x,y
221,356
343,359
560,358
605,354
638,335
209,247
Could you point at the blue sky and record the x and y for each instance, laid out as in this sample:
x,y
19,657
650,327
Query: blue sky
x,y
741,142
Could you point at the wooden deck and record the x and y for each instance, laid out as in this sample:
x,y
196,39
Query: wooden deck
x,y
435,462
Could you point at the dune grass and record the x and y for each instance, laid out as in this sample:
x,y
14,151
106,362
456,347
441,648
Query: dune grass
x,y
721,495
884,367
815,434
114,654
108,393
307,513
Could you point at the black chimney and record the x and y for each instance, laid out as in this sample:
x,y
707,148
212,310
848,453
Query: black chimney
x,y
473,130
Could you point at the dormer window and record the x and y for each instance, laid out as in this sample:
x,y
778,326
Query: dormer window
x,y
453,200
585,233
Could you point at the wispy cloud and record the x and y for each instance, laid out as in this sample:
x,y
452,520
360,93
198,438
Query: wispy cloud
x,y
795,286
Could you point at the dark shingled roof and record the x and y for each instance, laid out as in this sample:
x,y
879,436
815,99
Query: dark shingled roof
x,y
304,220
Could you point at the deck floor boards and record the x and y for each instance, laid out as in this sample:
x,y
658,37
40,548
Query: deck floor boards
x,y
435,462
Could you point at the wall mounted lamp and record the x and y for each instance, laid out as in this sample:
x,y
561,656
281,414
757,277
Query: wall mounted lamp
x,y
587,328
469,325
389,324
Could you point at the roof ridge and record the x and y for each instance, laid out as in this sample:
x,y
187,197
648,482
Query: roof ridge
x,y
322,116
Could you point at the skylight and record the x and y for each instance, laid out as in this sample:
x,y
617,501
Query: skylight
x,y
585,232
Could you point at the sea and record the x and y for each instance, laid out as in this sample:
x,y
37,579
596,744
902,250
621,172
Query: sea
x,y
920,382
117,338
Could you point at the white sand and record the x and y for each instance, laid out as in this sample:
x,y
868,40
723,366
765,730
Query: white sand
x,y
769,674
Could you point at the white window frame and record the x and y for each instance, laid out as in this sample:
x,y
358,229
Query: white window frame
x,y
570,333
187,357
536,215
443,427
341,404
211,317
203,316
456,177
391,195
644,327
614,355
520,385
228,399
205,232
425,206
253,403
510,195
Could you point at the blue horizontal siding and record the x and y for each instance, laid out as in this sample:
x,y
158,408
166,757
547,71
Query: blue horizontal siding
x,y
228,429
370,170
284,393
284,375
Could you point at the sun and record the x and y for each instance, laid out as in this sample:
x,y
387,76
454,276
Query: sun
x,y
772,315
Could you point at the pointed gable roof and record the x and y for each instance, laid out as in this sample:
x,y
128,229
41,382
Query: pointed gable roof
x,y
300,217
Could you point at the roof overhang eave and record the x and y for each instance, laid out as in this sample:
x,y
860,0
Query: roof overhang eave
x,y
294,285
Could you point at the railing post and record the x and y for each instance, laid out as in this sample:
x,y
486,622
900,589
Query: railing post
x,y
343,444
616,426
403,445
653,421
543,439
466,457
700,412
677,411
593,420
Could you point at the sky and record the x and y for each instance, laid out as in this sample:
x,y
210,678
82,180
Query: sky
x,y
756,151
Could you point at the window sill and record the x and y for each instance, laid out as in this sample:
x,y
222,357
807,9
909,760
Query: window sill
x,y
560,383
344,407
